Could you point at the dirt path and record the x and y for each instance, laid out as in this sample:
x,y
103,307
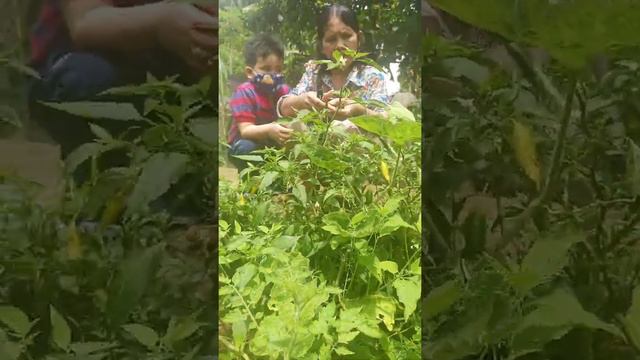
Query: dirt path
x,y
229,174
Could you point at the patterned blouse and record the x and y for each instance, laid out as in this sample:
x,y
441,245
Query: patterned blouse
x,y
364,81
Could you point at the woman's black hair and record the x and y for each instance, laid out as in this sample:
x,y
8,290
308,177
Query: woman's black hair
x,y
347,16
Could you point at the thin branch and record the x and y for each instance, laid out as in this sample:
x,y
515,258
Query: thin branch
x,y
556,163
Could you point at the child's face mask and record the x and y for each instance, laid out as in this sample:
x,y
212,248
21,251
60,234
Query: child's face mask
x,y
268,82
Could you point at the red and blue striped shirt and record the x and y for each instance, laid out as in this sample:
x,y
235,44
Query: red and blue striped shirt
x,y
250,105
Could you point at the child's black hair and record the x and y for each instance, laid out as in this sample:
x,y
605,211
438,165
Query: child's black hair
x,y
260,46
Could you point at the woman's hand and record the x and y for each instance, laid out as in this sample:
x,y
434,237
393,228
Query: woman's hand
x,y
191,33
345,108
294,103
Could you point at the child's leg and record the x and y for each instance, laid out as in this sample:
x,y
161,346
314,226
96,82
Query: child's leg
x,y
242,147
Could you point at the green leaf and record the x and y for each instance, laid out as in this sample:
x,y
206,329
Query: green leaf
x,y
60,331
389,266
8,349
463,67
98,110
554,315
442,298
632,319
547,257
10,116
267,179
81,154
180,329
408,293
300,192
324,158
341,350
391,206
394,223
205,130
134,276
285,242
100,132
256,158
87,348
158,174
633,167
401,132
145,335
243,275
15,319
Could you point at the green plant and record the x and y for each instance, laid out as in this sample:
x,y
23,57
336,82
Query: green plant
x,y
320,246
531,213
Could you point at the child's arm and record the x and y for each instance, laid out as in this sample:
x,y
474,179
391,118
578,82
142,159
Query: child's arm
x,y
273,131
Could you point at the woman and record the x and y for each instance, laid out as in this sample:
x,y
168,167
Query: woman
x,y
337,29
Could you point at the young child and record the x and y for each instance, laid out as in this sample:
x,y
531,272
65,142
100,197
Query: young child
x,y
253,103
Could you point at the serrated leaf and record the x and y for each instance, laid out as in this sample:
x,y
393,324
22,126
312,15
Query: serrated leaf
x,y
345,338
633,167
394,223
398,112
100,132
204,129
400,133
180,329
547,257
81,154
86,348
15,319
98,110
442,298
409,293
389,266
158,174
143,334
525,151
131,282
341,350
267,179
255,158
60,331
464,67
243,275
632,319
10,116
554,315
300,192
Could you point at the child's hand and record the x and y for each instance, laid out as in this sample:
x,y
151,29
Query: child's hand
x,y
279,133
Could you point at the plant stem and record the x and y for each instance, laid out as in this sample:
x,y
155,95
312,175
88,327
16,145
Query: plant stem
x,y
556,162
244,303
395,169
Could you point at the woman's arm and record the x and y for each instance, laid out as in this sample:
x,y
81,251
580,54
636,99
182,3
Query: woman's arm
x,y
289,105
96,25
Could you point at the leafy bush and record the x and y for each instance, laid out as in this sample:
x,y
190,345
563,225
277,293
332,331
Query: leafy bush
x,y
532,202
